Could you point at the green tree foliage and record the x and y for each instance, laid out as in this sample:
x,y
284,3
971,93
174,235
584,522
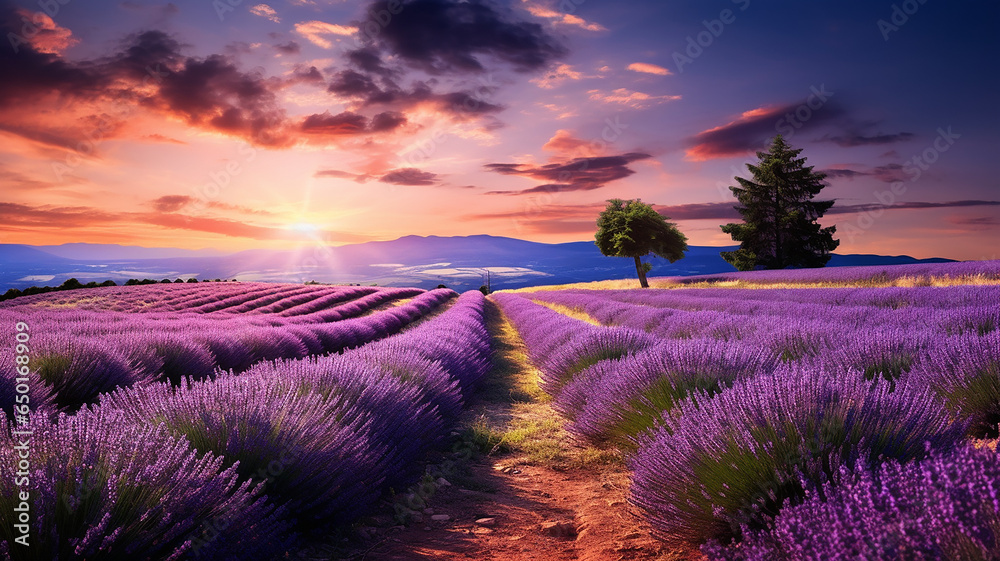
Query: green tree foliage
x,y
634,229
780,228
70,284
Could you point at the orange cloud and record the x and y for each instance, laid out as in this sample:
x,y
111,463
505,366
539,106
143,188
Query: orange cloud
x,y
565,144
265,11
317,31
563,19
557,76
50,219
49,37
648,68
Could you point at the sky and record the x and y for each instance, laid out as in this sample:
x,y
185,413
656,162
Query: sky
x,y
236,124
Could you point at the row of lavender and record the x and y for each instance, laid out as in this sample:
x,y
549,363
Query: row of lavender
x,y
242,465
743,428
195,298
78,354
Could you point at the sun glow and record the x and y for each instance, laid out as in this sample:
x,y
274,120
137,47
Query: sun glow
x,y
303,228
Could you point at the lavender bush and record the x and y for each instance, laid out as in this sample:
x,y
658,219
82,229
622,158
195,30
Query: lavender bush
x,y
965,372
633,395
945,507
103,488
735,459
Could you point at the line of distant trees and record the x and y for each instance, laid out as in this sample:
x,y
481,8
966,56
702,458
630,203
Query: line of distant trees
x,y
73,284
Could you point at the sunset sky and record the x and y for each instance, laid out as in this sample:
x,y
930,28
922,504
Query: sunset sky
x,y
236,124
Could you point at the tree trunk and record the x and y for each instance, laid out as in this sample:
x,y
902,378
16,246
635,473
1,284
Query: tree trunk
x,y
642,273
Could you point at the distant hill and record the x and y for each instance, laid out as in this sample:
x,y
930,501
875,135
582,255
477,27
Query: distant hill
x,y
458,262
104,252
11,253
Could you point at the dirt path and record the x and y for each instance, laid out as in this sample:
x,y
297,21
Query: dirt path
x,y
530,513
536,496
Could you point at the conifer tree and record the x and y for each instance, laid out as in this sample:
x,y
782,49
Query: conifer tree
x,y
780,228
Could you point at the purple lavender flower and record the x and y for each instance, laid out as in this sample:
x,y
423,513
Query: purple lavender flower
x,y
965,372
944,507
634,394
101,487
733,460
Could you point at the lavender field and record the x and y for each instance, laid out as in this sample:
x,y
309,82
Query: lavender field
x,y
810,423
242,420
223,421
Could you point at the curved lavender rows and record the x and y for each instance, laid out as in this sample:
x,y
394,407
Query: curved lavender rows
x,y
331,434
255,305
457,339
79,370
82,353
328,300
358,306
216,302
946,507
734,460
563,347
329,457
103,488
911,364
617,403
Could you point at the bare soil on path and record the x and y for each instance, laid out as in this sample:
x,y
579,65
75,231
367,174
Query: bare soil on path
x,y
537,495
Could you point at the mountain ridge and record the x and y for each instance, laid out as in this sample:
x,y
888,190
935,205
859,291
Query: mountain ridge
x,y
457,261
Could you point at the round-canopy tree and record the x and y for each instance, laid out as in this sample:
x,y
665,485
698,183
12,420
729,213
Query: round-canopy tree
x,y
633,229
780,228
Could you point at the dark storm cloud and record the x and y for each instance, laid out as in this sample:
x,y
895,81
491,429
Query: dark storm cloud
x,y
40,72
350,123
579,174
367,59
752,129
448,36
387,121
303,75
147,53
213,92
339,124
377,90
439,37
149,70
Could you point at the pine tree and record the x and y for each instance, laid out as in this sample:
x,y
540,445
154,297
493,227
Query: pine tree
x,y
780,227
